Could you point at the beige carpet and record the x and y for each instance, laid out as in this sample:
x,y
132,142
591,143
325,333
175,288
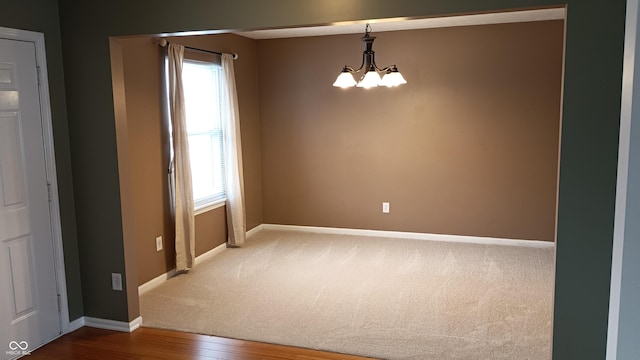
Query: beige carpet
x,y
378,297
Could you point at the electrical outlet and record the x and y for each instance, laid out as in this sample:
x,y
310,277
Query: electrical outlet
x,y
116,281
385,207
159,243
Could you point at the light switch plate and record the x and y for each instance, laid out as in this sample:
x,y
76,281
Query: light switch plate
x,y
159,243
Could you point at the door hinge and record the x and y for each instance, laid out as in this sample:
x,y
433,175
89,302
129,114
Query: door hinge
x,y
59,303
39,75
49,191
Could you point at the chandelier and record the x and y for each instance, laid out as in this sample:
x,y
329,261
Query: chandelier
x,y
371,77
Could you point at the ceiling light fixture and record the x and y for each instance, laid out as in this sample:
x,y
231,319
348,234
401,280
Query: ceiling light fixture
x,y
371,77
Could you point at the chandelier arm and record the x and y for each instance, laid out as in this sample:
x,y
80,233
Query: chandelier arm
x,y
352,70
364,56
375,66
349,69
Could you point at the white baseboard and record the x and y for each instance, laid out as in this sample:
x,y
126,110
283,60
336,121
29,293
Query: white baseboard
x,y
74,325
158,280
151,284
211,253
412,235
112,324
255,230
166,276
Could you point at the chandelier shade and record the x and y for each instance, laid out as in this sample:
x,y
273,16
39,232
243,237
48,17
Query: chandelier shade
x,y
369,80
345,79
391,77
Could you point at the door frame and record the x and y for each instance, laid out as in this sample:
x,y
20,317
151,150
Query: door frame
x,y
37,39
619,330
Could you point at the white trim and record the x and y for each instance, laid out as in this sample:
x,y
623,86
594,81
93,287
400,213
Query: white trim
x,y
50,163
75,325
155,282
626,118
254,231
412,235
159,280
211,253
112,324
402,23
208,207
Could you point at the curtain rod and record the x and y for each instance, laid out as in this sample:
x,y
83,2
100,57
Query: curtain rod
x,y
163,43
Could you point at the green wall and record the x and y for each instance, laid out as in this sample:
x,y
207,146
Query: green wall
x,y
595,32
42,16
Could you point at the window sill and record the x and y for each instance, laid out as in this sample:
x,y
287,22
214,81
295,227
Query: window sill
x,y
208,207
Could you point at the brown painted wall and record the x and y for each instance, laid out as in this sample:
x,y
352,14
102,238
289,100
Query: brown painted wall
x,y
148,149
210,230
148,157
468,147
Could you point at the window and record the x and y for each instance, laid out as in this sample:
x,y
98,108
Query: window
x,y
202,83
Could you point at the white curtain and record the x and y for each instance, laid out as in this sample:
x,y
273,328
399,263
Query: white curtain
x,y
236,222
182,191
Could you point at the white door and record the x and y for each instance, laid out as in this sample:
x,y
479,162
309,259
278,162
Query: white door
x,y
29,312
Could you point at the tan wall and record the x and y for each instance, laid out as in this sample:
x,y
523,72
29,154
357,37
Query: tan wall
x,y
149,150
468,147
210,230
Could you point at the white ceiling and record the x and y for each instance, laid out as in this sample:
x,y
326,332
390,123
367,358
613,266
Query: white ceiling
x,y
409,24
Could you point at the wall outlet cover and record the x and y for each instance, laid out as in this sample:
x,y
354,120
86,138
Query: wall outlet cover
x,y
385,207
116,281
159,243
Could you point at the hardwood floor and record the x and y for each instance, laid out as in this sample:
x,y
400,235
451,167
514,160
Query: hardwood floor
x,y
147,344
